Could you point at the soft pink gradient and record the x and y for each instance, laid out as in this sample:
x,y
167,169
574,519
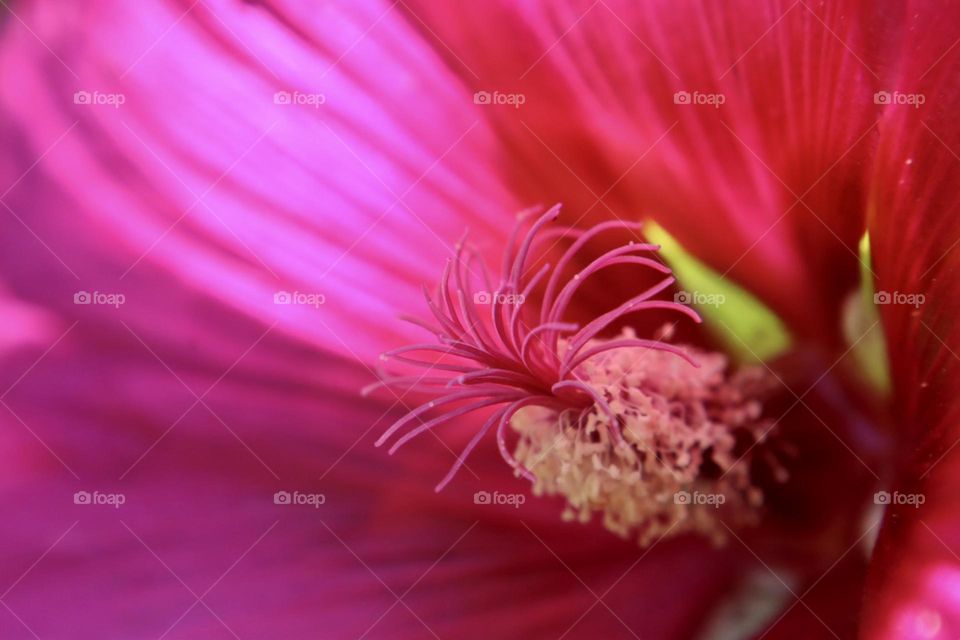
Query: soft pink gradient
x,y
200,197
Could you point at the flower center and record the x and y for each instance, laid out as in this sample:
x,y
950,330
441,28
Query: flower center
x,y
668,453
654,436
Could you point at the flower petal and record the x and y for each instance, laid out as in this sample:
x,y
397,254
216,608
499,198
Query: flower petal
x,y
915,229
110,409
169,138
196,399
765,187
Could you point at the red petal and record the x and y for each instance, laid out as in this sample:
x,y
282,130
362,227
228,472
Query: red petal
x,y
915,231
600,130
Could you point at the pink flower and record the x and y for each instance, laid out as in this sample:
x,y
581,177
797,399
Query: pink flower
x,y
215,213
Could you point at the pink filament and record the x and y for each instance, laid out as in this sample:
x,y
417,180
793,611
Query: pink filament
x,y
500,362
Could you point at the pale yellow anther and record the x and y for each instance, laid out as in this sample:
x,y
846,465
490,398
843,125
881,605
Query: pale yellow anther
x,y
685,461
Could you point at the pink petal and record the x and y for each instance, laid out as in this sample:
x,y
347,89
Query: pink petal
x,y
200,171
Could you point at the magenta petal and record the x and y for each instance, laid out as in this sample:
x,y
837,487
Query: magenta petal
x,y
199,513
201,171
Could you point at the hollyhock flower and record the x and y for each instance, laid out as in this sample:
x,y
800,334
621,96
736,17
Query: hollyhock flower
x,y
216,215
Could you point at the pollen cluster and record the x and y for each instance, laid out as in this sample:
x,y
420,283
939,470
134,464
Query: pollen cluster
x,y
677,457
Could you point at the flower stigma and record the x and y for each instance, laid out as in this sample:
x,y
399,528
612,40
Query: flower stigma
x,y
655,438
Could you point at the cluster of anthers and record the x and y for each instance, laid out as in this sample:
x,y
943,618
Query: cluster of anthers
x,y
655,437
